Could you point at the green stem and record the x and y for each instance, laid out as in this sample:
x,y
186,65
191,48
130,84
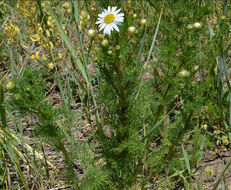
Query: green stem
x,y
2,109
66,155
179,136
222,174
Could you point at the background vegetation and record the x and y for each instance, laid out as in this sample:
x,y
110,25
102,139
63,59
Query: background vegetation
x,y
134,110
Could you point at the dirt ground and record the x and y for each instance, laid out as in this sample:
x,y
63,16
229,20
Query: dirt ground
x,y
215,161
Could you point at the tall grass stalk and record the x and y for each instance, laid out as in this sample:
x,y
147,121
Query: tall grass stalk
x,y
82,67
2,109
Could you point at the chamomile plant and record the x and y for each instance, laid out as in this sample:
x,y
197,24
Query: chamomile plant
x,y
109,19
125,93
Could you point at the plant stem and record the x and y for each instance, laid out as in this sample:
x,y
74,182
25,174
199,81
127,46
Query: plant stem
x,y
222,174
179,136
2,109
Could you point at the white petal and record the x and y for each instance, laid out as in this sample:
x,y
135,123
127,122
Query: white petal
x,y
113,9
120,15
119,19
100,19
102,26
105,31
115,27
102,15
116,12
99,22
109,9
111,29
110,25
117,22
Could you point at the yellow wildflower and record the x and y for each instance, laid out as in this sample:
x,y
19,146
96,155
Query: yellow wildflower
x,y
35,38
36,55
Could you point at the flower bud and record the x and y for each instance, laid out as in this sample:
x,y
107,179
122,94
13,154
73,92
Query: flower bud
x,y
37,55
143,22
225,140
9,85
69,11
222,17
17,97
216,69
96,59
100,36
196,68
217,132
109,52
51,45
197,25
51,65
43,4
104,43
91,33
48,33
44,57
204,126
184,73
16,29
181,85
59,56
117,47
131,30
189,26
190,43
35,37
218,142
65,5
84,13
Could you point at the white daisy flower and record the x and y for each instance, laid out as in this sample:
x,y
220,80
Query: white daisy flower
x,y
109,19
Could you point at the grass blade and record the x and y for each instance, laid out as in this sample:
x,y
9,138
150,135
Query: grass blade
x,y
186,159
2,109
157,125
150,52
69,45
222,174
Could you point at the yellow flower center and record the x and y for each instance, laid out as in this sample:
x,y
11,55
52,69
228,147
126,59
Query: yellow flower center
x,y
109,18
